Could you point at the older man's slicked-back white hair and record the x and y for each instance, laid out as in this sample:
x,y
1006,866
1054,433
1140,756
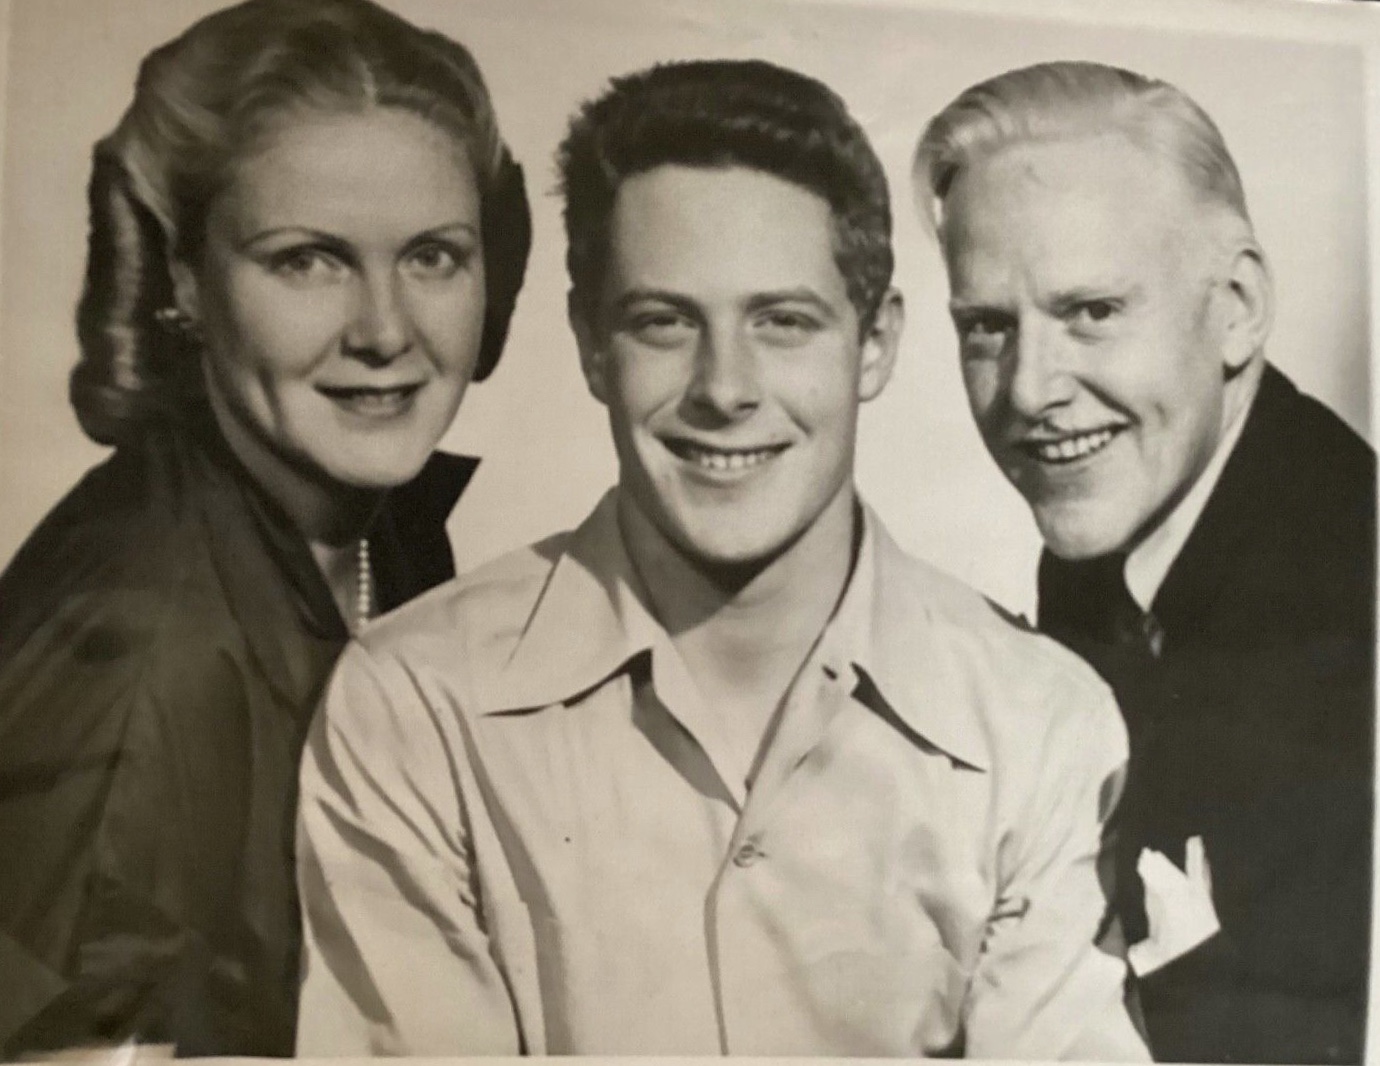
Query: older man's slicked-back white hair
x,y
1067,99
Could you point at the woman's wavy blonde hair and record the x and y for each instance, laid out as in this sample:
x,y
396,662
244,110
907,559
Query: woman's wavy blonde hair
x,y
204,99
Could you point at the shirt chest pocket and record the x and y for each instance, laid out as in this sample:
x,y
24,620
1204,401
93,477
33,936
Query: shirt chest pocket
x,y
632,987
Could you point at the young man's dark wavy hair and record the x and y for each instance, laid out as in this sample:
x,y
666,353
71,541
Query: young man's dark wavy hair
x,y
726,113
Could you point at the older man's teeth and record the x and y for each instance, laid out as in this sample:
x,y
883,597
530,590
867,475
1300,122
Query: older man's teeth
x,y
1070,448
725,461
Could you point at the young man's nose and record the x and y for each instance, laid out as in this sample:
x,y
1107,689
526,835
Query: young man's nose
x,y
726,377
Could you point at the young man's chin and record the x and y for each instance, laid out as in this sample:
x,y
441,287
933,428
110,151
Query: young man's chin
x,y
719,551
728,557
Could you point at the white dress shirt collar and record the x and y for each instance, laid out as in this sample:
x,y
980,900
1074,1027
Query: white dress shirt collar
x,y
1148,564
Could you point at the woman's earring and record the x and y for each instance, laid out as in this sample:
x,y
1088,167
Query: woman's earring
x,y
177,322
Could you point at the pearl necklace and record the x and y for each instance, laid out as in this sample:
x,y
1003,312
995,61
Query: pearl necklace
x,y
364,584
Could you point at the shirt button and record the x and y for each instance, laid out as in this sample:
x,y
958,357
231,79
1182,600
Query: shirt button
x,y
746,855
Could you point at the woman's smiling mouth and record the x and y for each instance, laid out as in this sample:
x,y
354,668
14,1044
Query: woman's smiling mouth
x,y
371,401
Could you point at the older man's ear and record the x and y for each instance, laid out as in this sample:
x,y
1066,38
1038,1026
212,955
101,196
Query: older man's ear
x,y
1250,294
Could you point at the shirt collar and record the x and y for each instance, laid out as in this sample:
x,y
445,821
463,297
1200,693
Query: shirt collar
x,y
888,630
428,499
408,543
591,618
1149,562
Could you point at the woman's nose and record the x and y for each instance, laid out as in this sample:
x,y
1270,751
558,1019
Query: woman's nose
x,y
380,328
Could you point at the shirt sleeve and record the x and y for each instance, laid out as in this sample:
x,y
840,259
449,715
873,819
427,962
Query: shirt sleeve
x,y
397,958
1052,982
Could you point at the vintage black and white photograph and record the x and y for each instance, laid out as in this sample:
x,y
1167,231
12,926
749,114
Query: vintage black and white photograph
x,y
811,528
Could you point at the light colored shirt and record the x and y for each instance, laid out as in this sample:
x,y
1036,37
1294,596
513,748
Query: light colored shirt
x,y
522,831
1148,563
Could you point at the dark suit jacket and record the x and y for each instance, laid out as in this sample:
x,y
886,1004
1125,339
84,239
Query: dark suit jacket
x,y
164,637
1253,728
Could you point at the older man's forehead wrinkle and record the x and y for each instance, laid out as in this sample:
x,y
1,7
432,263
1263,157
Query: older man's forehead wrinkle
x,y
1049,266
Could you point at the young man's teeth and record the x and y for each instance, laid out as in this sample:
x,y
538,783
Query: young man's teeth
x,y
729,460
1073,447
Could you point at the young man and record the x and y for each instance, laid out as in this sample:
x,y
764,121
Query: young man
x,y
1210,538
722,771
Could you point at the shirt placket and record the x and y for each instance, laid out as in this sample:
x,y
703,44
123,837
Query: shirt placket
x,y
747,884
680,697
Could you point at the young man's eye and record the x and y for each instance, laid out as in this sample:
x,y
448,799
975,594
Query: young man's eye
x,y
661,329
786,328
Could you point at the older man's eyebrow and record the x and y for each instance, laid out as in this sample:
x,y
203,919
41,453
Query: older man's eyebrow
x,y
1065,300
959,303
967,308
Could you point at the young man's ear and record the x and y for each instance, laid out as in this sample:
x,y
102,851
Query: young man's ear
x,y
592,357
880,345
1250,307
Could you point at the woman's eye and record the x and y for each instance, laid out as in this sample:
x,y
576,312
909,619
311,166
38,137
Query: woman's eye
x,y
439,261
306,265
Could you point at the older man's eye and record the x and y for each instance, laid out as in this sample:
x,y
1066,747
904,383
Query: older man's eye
x,y
982,334
1093,314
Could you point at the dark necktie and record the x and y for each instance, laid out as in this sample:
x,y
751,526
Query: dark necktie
x,y
1086,606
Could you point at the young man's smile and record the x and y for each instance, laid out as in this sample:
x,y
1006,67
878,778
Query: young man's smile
x,y
730,358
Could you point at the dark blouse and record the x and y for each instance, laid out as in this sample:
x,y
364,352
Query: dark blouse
x,y
164,638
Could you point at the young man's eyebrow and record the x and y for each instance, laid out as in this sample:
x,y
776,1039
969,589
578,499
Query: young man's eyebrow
x,y
799,294
755,302
630,297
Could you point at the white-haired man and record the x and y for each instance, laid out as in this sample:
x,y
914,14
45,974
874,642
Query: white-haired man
x,y
1209,537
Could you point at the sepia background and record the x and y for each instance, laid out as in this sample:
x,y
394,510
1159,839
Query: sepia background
x,y
1286,81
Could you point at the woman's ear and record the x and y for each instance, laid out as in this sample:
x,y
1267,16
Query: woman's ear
x,y
593,360
186,291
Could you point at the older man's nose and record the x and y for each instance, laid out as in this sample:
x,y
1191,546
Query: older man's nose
x,y
1039,376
